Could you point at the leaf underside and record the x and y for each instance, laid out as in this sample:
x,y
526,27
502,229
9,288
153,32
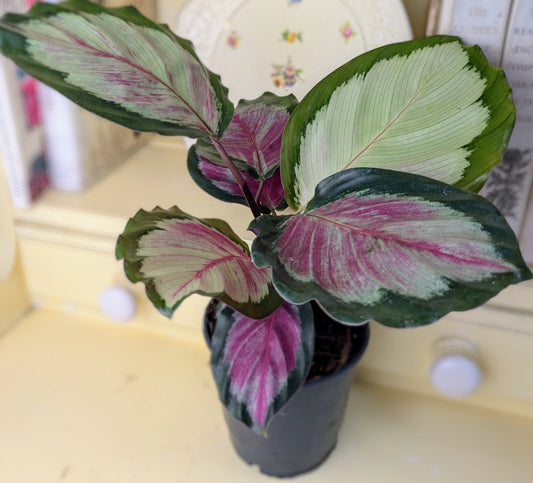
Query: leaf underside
x,y
395,247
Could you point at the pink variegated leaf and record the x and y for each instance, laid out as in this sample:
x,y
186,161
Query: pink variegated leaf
x,y
176,255
120,65
253,137
253,142
259,364
219,182
395,247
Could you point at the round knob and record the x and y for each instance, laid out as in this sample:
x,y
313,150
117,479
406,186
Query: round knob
x,y
117,303
456,372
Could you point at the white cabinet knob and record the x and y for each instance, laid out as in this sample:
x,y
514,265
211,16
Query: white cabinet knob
x,y
456,372
118,303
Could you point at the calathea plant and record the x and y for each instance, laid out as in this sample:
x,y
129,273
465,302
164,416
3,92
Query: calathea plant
x,y
375,170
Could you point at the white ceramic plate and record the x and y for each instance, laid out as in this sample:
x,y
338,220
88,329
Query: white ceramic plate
x,y
286,46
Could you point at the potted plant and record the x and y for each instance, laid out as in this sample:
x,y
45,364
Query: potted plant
x,y
362,195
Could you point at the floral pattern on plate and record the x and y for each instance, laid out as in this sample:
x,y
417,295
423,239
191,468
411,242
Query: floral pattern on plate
x,y
291,37
347,31
286,75
233,39
318,36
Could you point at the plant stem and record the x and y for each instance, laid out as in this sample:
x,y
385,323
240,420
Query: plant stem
x,y
259,190
238,177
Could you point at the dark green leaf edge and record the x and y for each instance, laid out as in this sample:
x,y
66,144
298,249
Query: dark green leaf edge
x,y
193,165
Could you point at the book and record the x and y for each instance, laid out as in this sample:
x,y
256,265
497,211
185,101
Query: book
x,y
509,183
481,22
517,62
502,28
526,232
21,128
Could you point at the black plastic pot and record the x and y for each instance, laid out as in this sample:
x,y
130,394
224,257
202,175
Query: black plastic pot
x,y
304,433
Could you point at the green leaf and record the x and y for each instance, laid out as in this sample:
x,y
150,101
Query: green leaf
x,y
176,255
396,247
431,106
120,65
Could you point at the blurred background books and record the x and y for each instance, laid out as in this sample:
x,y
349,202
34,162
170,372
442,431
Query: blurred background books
x,y
504,30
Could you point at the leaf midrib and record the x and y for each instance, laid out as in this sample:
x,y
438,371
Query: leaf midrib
x,y
391,123
261,361
204,269
395,238
251,138
405,243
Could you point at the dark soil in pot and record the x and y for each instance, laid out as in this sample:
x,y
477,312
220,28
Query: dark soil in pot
x,y
304,433
335,344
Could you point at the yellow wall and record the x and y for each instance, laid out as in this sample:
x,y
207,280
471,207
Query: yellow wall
x,y
13,295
